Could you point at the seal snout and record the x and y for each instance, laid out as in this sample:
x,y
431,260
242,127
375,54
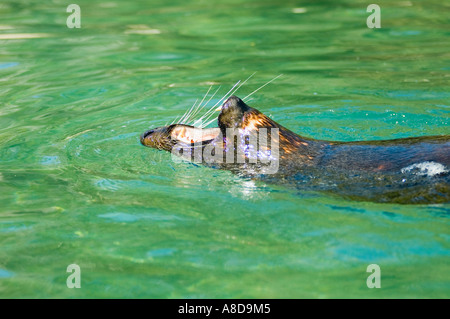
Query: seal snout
x,y
145,134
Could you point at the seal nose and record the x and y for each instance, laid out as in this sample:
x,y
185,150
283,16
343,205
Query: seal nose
x,y
148,133
145,134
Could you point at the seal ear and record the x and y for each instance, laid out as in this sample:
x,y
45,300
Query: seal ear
x,y
231,115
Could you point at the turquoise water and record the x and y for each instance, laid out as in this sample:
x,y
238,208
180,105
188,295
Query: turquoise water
x,y
77,187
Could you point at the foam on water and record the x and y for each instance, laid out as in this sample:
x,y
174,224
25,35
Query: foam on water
x,y
425,169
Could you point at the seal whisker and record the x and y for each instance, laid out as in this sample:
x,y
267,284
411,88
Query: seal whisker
x,y
190,114
205,125
261,87
175,120
188,111
191,108
179,118
197,109
242,84
207,119
217,102
200,119
211,110
189,117
183,119
228,94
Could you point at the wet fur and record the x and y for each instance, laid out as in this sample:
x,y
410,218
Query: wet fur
x,y
362,170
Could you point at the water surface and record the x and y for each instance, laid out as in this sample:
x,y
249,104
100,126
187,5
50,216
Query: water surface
x,y
77,187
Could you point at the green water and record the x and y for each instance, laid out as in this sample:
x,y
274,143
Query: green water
x,y
77,187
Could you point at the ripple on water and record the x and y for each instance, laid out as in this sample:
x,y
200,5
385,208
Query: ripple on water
x,y
8,65
129,218
50,160
11,227
161,252
108,184
5,273
120,217
407,95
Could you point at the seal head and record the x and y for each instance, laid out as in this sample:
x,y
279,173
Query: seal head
x,y
186,136
232,113
407,170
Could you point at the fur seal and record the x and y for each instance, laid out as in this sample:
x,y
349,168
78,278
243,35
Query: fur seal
x,y
408,170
